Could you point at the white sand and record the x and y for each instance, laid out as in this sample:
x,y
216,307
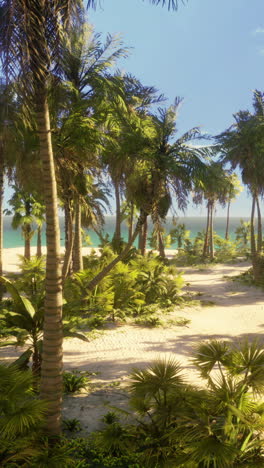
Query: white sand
x,y
237,313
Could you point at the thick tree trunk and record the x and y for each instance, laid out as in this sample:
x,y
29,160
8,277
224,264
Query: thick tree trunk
x,y
96,280
161,245
68,252
39,242
211,230
206,239
259,239
117,233
252,229
27,241
51,369
1,217
77,246
144,237
66,224
140,237
131,220
227,221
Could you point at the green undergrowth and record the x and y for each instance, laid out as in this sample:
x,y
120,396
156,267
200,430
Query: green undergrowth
x,y
167,421
246,278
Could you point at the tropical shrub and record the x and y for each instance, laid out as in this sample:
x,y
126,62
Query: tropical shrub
x,y
32,274
24,321
75,381
184,426
21,417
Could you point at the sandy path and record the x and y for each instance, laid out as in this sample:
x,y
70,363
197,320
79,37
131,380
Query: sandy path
x,y
237,313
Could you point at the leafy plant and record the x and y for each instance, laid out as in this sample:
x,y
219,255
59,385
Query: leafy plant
x,y
72,425
74,381
25,322
21,416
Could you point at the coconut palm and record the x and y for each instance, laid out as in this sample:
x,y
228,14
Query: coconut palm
x,y
30,37
30,40
233,191
242,146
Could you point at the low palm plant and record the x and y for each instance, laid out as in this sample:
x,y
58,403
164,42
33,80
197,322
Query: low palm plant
x,y
25,321
21,417
187,427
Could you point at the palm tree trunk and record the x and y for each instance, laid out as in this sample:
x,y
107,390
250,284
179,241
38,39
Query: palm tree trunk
x,y
51,368
211,231
144,237
161,245
39,243
66,224
131,219
69,247
117,233
206,239
96,280
140,237
227,220
252,230
259,240
27,241
1,217
77,246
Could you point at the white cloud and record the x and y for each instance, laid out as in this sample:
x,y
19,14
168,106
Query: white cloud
x,y
259,31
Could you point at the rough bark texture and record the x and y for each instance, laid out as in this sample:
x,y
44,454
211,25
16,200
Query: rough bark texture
x,y
227,221
117,233
130,223
252,230
69,247
66,224
27,235
259,239
96,280
1,217
39,242
206,243
77,246
211,230
140,237
161,245
144,237
51,369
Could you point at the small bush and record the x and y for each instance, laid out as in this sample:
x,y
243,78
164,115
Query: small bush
x,y
74,382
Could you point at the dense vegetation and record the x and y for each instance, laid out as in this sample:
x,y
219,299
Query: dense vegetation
x,y
85,131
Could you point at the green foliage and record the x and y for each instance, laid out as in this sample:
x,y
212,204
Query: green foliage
x,y
182,426
72,425
24,320
126,292
75,381
21,416
32,274
242,233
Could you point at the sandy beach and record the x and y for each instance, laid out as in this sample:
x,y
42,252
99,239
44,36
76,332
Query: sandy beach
x,y
235,312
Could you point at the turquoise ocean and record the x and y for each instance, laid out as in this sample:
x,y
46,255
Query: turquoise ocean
x,y
13,238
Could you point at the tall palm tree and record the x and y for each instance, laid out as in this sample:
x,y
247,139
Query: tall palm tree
x,y
30,39
242,146
162,168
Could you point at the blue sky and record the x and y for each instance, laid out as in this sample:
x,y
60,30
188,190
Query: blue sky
x,y
210,52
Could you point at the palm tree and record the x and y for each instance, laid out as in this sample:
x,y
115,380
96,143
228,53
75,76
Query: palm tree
x,y
215,189
30,35
30,39
242,146
234,190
